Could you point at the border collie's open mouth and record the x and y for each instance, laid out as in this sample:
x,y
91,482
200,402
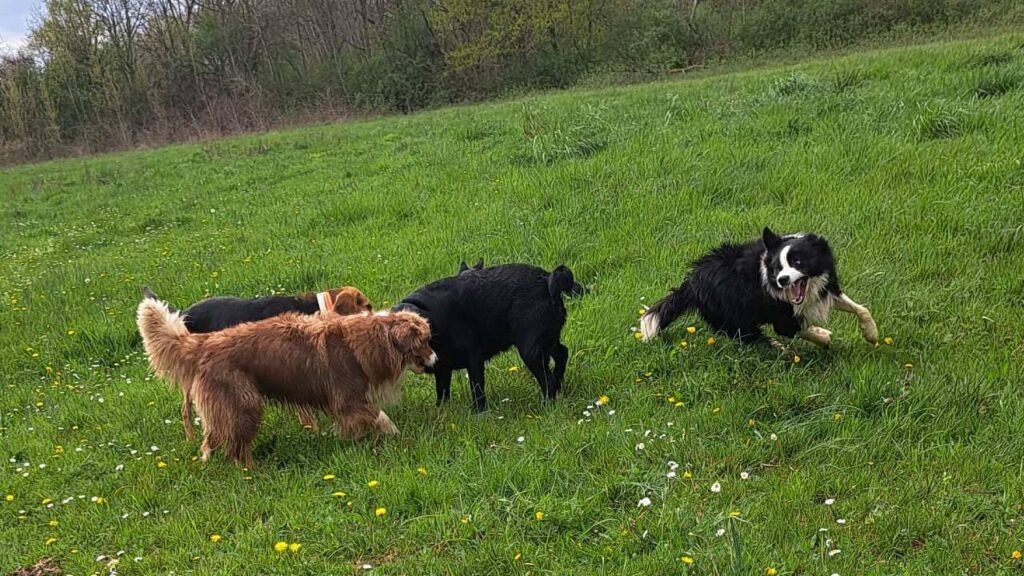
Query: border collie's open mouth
x,y
797,291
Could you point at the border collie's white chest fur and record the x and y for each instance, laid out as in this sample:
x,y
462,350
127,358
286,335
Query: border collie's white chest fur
x,y
816,304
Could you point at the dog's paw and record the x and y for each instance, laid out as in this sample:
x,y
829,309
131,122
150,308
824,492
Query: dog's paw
x,y
823,337
385,425
869,330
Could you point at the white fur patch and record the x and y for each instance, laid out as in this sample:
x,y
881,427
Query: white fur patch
x,y
432,360
321,302
649,326
817,302
787,271
384,424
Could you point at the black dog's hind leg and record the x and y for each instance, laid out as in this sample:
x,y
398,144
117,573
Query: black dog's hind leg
x,y
476,384
537,362
443,384
560,356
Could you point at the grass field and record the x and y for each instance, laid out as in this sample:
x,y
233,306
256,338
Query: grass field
x,y
902,459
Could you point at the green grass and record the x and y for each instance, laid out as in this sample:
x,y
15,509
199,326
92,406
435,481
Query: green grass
x,y
908,160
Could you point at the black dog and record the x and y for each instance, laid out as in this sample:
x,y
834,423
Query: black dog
x,y
479,313
478,266
789,282
220,312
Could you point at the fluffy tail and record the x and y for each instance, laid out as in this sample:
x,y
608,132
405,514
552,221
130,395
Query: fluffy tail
x,y
666,310
561,281
147,293
166,340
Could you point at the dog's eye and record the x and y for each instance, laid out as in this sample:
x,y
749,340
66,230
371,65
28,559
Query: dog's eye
x,y
797,262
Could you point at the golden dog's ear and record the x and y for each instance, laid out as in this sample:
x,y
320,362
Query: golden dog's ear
x,y
407,333
350,300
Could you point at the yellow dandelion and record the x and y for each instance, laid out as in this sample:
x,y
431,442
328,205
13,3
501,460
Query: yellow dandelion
x,y
688,560
538,515
294,547
338,494
215,538
887,340
280,546
421,471
9,498
638,335
161,464
671,399
734,514
751,422
908,365
796,359
691,329
373,483
46,501
837,416
679,404
464,520
328,476
1015,555
39,404
50,541
687,475
711,341
71,332
683,344
771,571
380,512
603,400
101,500
513,368
53,523
517,557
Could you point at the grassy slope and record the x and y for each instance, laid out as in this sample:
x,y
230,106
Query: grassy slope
x,y
915,179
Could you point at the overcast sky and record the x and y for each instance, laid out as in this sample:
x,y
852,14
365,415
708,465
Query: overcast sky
x,y
14,21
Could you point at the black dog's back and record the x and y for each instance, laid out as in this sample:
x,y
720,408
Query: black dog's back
x,y
480,313
220,312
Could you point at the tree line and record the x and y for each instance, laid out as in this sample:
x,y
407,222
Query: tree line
x,y
104,74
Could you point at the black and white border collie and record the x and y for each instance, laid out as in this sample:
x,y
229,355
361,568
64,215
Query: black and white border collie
x,y
789,282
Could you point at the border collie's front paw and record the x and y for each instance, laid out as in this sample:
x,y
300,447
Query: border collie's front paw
x,y
869,329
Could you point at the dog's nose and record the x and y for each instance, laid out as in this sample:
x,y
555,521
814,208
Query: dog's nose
x,y
783,280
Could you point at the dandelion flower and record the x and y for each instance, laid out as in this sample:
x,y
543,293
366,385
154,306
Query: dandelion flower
x,y
688,560
421,471
280,546
214,538
711,341
328,476
53,523
46,501
380,512
513,368
294,547
691,329
9,498
464,520
373,483
887,340
638,335
50,541
603,400
517,557
683,343
796,359
641,312
679,404
538,515
734,514
744,475
687,475
771,571
161,464
338,494
72,333
1015,555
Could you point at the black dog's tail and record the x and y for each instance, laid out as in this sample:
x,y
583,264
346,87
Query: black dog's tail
x,y
147,293
561,281
666,310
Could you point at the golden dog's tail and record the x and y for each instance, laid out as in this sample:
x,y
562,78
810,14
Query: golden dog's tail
x,y
169,348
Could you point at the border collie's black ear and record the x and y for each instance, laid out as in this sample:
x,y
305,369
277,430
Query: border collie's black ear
x,y
479,264
463,267
771,241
